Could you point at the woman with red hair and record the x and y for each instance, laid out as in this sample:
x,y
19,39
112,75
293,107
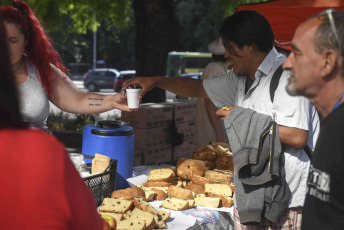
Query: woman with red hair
x,y
40,75
41,188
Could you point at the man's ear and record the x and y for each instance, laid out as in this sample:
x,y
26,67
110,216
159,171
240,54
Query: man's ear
x,y
329,62
251,47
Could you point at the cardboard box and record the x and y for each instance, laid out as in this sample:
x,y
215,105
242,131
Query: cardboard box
x,y
156,155
184,150
137,157
183,110
149,115
148,138
186,128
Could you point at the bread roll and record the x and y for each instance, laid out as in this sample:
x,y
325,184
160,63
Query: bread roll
x,y
179,192
164,174
186,168
129,193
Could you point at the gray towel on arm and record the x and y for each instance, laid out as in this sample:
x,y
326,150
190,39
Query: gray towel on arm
x,y
259,180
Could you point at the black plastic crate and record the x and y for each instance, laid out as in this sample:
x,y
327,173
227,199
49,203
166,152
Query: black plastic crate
x,y
102,184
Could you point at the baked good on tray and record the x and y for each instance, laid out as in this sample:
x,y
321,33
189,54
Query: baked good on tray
x,y
174,204
164,174
116,205
186,168
129,193
182,193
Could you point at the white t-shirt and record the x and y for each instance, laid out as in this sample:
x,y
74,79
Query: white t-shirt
x,y
287,110
33,100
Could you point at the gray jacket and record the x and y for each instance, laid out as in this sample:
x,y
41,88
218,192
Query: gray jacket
x,y
259,176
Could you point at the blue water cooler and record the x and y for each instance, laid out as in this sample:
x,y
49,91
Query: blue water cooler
x,y
115,140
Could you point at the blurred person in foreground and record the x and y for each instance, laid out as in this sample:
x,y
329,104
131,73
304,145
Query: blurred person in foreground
x,y
317,72
249,110
41,188
41,76
209,128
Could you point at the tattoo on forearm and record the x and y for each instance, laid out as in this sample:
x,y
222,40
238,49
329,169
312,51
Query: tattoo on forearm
x,y
95,99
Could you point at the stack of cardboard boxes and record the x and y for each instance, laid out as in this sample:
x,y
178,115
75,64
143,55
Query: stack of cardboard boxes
x,y
154,126
184,115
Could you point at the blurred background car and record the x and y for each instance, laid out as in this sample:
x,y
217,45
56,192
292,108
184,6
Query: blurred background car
x,y
192,75
123,76
101,78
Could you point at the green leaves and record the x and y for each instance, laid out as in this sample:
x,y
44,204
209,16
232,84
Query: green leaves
x,y
84,15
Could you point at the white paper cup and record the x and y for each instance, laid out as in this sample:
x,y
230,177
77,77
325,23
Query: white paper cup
x,y
132,98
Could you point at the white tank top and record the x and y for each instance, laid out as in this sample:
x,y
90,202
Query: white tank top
x,y
33,99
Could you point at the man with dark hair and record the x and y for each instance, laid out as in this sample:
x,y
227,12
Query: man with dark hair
x,y
317,72
251,109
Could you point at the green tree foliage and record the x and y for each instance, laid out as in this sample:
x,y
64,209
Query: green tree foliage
x,y
71,23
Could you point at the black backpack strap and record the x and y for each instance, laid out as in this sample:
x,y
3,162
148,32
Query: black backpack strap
x,y
308,151
275,81
273,86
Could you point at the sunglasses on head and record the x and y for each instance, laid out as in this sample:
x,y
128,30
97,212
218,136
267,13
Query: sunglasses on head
x,y
329,14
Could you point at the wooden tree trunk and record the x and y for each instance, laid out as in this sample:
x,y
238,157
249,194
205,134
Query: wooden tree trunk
x,y
155,37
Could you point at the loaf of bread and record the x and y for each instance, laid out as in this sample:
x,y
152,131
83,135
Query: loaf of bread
x,y
145,206
157,184
186,168
182,193
224,161
203,180
128,193
164,174
139,215
150,195
191,201
223,171
174,204
226,201
195,188
209,165
218,176
164,189
180,182
218,189
131,225
220,148
159,194
213,202
116,205
163,215
161,225
205,153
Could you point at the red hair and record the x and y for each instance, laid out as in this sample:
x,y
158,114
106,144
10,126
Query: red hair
x,y
39,49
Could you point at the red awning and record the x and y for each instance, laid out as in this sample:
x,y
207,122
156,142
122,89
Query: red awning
x,y
285,15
